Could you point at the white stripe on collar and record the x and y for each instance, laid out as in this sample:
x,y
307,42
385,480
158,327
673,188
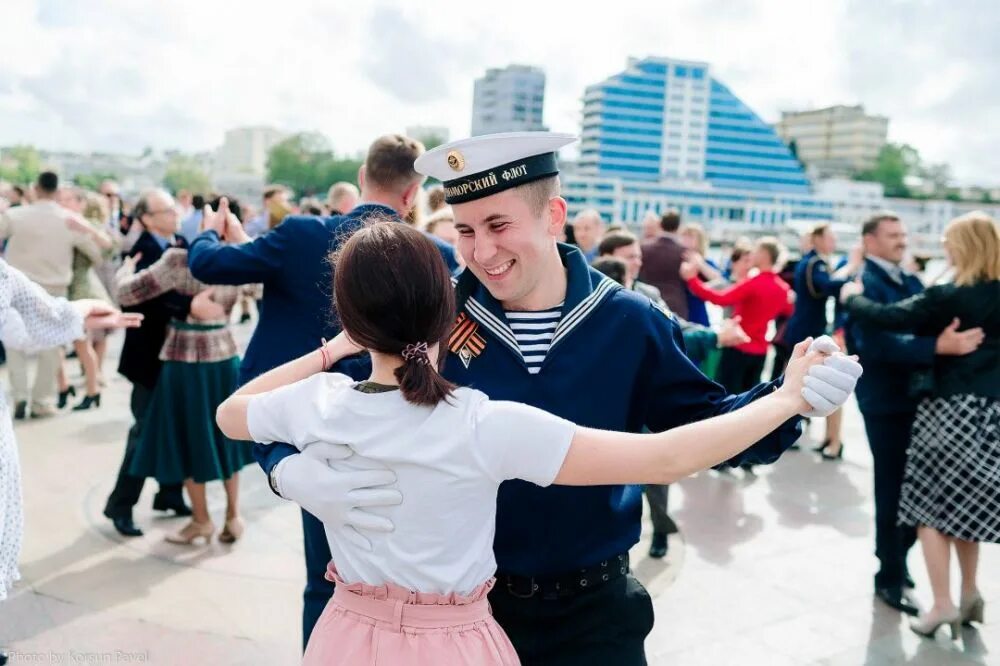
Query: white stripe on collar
x,y
583,308
497,327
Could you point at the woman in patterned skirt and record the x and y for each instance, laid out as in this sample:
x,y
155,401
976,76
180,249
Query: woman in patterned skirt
x,y
951,489
181,442
31,320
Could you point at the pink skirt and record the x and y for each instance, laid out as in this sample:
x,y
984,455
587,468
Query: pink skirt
x,y
388,624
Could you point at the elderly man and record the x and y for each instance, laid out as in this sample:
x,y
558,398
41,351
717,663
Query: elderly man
x,y
40,244
588,228
157,215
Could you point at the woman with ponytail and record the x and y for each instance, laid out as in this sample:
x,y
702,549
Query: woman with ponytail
x,y
417,595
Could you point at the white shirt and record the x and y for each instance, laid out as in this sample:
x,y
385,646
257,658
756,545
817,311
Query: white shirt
x,y
449,462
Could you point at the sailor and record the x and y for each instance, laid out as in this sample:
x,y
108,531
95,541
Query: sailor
x,y
535,324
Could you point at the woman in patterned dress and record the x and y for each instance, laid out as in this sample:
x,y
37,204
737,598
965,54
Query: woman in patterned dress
x,y
181,441
951,488
30,320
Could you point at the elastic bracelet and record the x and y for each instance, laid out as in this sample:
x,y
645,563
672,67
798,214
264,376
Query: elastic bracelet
x,y
323,353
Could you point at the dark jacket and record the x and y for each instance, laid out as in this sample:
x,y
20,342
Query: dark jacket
x,y
890,360
930,313
292,262
661,264
140,360
813,288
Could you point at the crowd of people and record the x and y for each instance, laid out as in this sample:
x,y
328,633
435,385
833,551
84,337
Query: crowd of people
x,y
683,344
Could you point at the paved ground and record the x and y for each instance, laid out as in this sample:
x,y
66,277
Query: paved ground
x,y
769,570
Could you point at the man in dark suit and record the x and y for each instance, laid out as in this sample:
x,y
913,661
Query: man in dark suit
x,y
892,364
292,262
661,263
140,360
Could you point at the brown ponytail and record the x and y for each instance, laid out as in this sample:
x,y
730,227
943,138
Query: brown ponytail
x,y
393,295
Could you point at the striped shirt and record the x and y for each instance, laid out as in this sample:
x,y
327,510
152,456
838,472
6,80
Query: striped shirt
x,y
533,332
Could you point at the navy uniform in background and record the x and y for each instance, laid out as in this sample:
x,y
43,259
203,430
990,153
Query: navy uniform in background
x,y
813,289
565,593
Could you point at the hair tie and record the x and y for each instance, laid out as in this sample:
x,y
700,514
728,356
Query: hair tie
x,y
416,353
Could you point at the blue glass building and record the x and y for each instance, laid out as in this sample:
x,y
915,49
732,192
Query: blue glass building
x,y
665,133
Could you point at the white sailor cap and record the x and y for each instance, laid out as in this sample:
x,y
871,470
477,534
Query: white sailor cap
x,y
480,166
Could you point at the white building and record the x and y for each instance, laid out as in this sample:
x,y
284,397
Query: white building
x,y
244,151
837,140
508,100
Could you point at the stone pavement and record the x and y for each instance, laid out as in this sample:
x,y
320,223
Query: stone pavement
x,y
773,569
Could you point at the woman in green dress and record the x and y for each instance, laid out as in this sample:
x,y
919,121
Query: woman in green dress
x,y
181,441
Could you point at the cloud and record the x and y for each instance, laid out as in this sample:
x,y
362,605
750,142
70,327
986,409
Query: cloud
x,y
115,75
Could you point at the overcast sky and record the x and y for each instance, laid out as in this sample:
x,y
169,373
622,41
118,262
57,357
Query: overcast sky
x,y
118,75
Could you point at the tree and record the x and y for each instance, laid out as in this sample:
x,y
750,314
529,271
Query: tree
x,y
184,173
894,163
306,163
92,181
20,164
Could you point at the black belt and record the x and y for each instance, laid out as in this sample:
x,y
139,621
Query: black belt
x,y
565,585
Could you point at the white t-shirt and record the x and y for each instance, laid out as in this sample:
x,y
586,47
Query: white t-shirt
x,y
449,462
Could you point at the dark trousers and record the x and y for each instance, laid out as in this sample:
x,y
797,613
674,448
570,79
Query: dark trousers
x,y
604,625
128,488
318,589
889,437
739,372
657,497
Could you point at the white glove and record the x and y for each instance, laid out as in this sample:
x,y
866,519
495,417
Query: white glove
x,y
827,386
338,498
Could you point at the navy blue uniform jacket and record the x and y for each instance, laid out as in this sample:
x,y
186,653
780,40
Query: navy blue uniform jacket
x,y
889,359
813,288
291,261
617,362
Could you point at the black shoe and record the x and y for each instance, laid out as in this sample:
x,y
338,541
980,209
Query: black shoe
x,y
126,527
64,396
822,447
245,318
894,598
88,402
908,582
21,410
181,509
3,658
794,447
829,456
658,548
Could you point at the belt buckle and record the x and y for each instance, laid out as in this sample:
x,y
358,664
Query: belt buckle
x,y
533,588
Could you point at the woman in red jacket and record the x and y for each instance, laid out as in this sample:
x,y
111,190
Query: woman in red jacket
x,y
758,300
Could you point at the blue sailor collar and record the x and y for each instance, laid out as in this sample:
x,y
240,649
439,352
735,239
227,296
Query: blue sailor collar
x,y
367,209
586,289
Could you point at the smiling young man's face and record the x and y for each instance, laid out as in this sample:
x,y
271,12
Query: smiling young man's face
x,y
509,244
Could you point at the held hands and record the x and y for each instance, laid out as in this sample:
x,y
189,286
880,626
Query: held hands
x,y
855,288
803,360
98,315
341,500
827,386
688,270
